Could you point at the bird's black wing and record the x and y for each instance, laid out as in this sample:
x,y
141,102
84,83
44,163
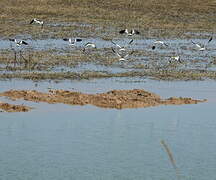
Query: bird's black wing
x,y
11,39
65,39
23,42
113,51
78,40
130,41
210,39
31,21
193,42
136,32
113,42
87,44
122,31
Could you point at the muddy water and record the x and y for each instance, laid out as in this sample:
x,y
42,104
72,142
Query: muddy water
x,y
73,142
191,57
183,47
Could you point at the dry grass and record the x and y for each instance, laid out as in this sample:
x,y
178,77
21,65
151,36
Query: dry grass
x,y
155,74
145,14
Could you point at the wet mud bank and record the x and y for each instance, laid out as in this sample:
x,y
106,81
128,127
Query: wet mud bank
x,y
118,99
6,107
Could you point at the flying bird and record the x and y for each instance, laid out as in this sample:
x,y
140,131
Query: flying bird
x,y
159,42
18,43
36,21
176,58
89,45
129,33
72,41
121,48
202,47
122,57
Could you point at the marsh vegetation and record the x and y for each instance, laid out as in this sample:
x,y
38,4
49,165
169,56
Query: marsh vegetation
x,y
46,57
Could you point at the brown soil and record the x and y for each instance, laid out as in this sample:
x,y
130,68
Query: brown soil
x,y
13,108
118,99
146,14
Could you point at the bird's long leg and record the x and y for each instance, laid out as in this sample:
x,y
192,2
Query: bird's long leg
x,y
29,60
14,61
26,61
15,57
20,54
22,57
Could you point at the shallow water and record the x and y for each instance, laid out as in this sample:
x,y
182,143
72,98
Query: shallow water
x,y
77,69
190,56
73,142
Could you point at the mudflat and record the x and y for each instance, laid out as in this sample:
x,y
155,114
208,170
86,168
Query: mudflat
x,y
118,99
13,108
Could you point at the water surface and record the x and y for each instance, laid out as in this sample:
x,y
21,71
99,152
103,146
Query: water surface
x,y
85,142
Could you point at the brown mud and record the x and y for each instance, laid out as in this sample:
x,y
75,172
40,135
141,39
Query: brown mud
x,y
118,99
13,108
161,19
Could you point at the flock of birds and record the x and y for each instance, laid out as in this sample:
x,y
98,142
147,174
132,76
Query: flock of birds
x,y
120,51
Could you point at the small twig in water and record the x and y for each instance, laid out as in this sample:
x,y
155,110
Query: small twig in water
x,y
171,158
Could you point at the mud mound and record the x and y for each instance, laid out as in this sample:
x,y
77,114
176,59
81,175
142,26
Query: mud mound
x,y
13,108
118,99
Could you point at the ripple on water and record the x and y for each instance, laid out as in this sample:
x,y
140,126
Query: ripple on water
x,y
61,141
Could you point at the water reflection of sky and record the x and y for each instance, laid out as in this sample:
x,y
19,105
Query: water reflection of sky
x,y
73,142
190,56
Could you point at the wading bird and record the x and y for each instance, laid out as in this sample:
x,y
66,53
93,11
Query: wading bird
x,y
89,45
202,47
18,43
36,21
129,33
122,57
121,48
175,58
159,42
72,42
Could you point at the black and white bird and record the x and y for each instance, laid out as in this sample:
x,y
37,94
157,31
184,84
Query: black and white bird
x,y
129,33
89,45
37,21
122,57
121,48
202,47
72,41
18,43
159,42
175,58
